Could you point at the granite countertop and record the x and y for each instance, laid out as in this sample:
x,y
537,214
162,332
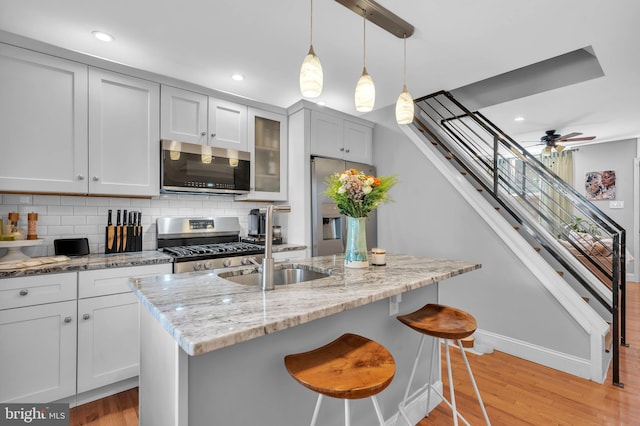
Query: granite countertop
x,y
115,260
204,312
92,262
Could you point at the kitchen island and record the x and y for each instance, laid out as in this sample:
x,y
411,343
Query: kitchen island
x,y
212,350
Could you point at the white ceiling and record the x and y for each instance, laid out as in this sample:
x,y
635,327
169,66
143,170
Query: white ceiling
x,y
456,42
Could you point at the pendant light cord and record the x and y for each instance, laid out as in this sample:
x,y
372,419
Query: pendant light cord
x,y
364,38
404,67
311,25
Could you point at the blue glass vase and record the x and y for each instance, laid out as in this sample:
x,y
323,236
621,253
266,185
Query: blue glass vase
x,y
355,254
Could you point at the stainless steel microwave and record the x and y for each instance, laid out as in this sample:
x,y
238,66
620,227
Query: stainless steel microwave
x,y
187,167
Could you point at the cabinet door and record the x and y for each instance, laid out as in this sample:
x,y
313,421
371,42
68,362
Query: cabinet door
x,y
43,122
227,125
358,142
268,147
38,353
124,140
326,135
108,340
183,115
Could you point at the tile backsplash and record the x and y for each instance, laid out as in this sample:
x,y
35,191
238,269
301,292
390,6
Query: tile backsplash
x,y
61,216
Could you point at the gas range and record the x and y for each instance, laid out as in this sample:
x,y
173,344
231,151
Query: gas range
x,y
205,243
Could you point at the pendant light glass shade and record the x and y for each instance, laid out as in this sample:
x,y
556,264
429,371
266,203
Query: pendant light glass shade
x,y
365,92
311,75
404,107
365,95
311,78
404,104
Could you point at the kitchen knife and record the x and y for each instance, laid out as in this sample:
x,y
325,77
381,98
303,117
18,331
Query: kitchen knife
x,y
110,232
118,231
139,239
124,230
131,232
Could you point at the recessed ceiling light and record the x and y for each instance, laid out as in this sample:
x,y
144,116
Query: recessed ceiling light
x,y
518,119
237,77
102,36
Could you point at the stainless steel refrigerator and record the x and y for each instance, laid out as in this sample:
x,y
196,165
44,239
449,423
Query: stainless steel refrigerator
x,y
328,226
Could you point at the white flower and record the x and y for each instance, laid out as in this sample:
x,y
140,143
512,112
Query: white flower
x,y
342,190
366,189
369,181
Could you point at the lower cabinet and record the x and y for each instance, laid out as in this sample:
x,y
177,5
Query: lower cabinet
x,y
65,334
38,352
108,340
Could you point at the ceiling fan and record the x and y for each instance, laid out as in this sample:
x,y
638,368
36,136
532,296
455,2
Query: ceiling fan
x,y
551,139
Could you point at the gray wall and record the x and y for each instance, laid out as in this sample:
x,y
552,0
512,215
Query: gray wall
x,y
616,156
430,218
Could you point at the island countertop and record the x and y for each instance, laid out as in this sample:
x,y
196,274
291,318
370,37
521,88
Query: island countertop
x,y
204,312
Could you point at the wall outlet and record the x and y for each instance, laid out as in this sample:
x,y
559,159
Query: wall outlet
x,y
616,204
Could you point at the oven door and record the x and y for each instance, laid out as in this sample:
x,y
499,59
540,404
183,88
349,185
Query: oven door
x,y
196,168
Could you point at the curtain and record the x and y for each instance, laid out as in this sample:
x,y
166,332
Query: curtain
x,y
559,208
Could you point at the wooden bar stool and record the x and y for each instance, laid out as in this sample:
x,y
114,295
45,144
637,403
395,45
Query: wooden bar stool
x,y
350,367
446,323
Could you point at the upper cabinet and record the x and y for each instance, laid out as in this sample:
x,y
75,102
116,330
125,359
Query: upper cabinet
x,y
43,123
268,147
124,140
196,118
70,129
335,137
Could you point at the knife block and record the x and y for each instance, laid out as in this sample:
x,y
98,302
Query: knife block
x,y
123,239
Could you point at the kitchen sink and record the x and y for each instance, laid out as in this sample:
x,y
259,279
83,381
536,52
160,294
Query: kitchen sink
x,y
281,276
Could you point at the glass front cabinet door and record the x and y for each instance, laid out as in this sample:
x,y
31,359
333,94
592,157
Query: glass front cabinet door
x,y
268,147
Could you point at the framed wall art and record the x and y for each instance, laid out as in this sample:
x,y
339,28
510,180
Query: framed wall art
x,y
600,185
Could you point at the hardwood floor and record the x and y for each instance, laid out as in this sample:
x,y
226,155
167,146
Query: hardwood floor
x,y
515,392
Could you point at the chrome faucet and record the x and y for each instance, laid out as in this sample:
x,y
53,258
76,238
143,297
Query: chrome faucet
x,y
267,262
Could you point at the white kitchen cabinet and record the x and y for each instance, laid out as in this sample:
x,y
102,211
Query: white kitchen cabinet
x,y
124,150
228,125
335,137
268,146
183,115
108,325
197,118
108,340
38,350
43,122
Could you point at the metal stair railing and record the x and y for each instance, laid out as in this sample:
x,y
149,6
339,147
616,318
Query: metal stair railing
x,y
567,225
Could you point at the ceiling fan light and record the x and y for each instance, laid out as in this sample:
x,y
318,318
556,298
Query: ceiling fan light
x,y
546,150
559,148
311,77
365,95
404,107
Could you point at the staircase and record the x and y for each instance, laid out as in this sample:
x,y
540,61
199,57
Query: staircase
x,y
563,228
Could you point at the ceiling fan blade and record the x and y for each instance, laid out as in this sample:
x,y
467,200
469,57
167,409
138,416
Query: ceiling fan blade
x,y
567,136
586,138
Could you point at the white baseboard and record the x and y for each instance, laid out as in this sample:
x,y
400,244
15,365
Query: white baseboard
x,y
544,356
416,409
95,394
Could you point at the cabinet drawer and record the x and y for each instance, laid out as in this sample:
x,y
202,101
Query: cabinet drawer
x,y
28,291
103,282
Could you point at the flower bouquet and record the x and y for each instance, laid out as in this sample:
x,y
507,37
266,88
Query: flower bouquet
x,y
356,195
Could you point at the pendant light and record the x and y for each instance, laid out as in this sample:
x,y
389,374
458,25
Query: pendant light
x,y
404,104
365,96
311,70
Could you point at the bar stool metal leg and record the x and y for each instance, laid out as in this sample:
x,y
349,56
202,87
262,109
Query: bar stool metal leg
x,y
315,412
475,386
